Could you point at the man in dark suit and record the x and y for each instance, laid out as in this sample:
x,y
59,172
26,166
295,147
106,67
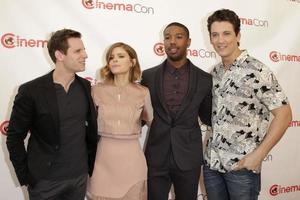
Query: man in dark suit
x,y
58,110
180,93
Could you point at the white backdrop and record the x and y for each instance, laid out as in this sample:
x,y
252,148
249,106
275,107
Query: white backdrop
x,y
270,32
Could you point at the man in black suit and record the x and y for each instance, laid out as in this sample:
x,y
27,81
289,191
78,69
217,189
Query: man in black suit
x,y
180,93
58,110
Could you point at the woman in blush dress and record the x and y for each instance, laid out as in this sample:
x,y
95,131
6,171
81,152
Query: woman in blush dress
x,y
120,171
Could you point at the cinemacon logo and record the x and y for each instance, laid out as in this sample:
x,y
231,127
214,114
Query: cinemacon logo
x,y
254,22
11,40
3,127
159,50
125,7
275,56
294,124
278,189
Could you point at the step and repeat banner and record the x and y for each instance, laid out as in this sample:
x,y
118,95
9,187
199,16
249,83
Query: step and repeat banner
x,y
270,32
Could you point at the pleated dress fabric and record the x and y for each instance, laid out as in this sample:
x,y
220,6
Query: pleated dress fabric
x,y
120,171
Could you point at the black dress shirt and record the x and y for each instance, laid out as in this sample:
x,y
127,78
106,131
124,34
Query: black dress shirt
x,y
175,86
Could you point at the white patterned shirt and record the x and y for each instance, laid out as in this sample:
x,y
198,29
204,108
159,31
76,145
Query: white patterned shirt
x,y
243,97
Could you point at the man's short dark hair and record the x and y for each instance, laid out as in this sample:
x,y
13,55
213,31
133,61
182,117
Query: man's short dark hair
x,y
59,41
179,25
225,15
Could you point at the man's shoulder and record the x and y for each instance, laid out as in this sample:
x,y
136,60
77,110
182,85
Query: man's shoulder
x,y
83,80
37,81
252,63
152,69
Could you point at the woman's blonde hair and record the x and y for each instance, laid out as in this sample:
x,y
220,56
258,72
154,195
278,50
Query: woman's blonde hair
x,y
135,71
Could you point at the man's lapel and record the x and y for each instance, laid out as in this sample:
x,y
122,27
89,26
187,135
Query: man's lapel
x,y
51,99
191,90
160,92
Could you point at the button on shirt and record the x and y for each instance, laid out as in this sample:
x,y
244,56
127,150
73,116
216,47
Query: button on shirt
x,y
175,86
72,151
243,97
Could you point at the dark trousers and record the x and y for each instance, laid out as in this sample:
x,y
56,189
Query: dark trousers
x,y
185,182
71,189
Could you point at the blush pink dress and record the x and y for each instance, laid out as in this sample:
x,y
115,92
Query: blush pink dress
x,y
120,171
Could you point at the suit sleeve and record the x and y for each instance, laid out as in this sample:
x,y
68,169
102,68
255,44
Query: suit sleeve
x,y
205,109
145,78
19,125
144,83
91,129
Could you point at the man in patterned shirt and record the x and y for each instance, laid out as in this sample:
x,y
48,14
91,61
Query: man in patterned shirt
x,y
245,92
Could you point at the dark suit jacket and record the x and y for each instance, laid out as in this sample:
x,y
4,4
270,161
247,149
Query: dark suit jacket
x,y
35,109
181,134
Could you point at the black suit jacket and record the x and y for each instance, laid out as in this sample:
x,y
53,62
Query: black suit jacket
x,y
35,109
182,134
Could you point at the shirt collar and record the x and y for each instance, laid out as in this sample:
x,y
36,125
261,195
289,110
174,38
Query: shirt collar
x,y
171,69
241,58
237,62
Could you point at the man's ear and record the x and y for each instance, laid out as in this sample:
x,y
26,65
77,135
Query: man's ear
x,y
189,42
59,55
